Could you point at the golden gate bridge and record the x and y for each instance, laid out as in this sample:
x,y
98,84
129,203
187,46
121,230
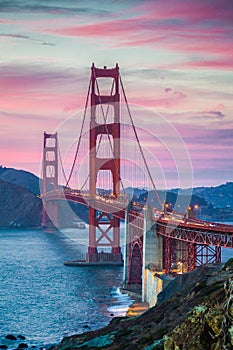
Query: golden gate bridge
x,y
173,242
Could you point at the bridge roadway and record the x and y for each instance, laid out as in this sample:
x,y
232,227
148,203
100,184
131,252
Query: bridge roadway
x,y
172,226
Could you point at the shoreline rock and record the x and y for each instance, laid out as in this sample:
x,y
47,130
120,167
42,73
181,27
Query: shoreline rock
x,y
194,312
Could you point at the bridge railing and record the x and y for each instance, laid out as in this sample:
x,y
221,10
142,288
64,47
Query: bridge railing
x,y
200,235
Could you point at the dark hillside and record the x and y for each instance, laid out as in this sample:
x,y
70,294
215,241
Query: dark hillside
x,y
20,177
220,196
18,206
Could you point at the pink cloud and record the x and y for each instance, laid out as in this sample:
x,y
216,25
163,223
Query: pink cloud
x,y
4,21
222,63
207,148
35,98
31,76
220,107
100,29
200,28
167,99
156,16
44,103
178,94
218,49
194,11
215,113
46,90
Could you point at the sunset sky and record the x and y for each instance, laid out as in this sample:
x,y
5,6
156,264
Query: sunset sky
x,y
175,58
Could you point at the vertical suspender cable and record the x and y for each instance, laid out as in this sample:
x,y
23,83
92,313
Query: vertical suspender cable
x,y
139,145
62,167
80,135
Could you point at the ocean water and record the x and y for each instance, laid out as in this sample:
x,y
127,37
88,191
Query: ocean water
x,y
44,300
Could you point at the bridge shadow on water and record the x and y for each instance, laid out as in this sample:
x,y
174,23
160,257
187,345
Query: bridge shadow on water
x,y
73,243
67,243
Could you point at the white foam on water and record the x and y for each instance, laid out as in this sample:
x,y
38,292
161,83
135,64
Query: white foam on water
x,y
121,302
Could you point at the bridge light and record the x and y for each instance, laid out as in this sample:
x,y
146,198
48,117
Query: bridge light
x,y
180,267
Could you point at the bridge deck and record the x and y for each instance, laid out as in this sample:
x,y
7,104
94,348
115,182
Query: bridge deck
x,y
177,227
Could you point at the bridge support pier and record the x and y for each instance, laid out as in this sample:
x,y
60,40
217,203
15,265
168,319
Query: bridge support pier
x,y
126,249
152,265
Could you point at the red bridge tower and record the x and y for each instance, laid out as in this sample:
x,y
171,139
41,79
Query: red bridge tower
x,y
50,180
104,229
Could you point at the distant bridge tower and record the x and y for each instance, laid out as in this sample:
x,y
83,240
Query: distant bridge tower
x,y
104,229
50,179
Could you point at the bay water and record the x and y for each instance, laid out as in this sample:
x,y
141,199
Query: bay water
x,y
44,300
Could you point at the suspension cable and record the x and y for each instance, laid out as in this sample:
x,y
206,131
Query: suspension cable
x,y
80,135
139,145
62,167
101,135
84,183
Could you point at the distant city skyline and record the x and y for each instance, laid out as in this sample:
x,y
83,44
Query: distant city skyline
x,y
175,58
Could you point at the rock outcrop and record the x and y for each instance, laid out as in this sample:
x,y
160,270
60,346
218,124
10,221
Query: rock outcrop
x,y
195,311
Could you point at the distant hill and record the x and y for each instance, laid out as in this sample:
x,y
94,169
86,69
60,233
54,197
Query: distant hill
x,y
170,197
208,203
20,177
19,202
220,196
18,206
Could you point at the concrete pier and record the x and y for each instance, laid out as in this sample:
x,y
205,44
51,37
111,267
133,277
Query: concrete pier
x,y
126,248
152,266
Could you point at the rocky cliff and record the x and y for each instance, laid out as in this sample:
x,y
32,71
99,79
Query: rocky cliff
x,y
194,312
